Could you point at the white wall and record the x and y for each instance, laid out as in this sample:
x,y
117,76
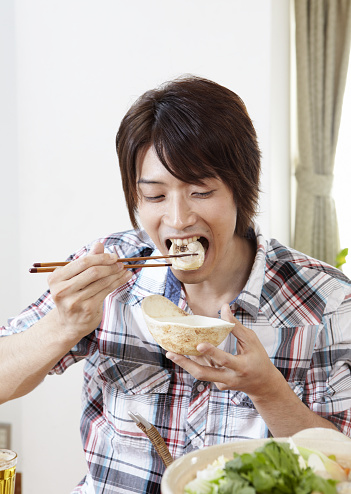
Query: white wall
x,y
72,68
9,196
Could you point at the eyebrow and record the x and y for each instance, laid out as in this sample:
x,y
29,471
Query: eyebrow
x,y
145,181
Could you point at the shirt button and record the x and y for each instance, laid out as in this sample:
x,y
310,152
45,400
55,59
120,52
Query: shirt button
x,y
129,384
197,443
200,388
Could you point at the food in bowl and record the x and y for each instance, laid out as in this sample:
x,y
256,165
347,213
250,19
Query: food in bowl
x,y
177,331
279,467
330,442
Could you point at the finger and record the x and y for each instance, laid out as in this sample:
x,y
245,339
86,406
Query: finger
x,y
216,356
87,283
104,286
200,372
82,264
93,295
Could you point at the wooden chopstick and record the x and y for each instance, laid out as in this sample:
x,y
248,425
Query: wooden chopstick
x,y
121,259
126,266
43,270
49,267
49,264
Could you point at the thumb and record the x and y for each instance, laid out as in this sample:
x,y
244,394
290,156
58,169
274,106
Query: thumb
x,y
239,331
97,248
226,314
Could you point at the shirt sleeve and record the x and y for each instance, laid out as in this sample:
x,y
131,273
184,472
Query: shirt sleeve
x,y
34,312
328,383
29,316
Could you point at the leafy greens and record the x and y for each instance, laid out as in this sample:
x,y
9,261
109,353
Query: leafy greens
x,y
273,468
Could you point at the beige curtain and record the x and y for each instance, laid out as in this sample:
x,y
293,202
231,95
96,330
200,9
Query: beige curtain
x,y
323,29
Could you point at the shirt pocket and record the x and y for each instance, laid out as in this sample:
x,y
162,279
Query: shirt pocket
x,y
133,378
132,387
240,399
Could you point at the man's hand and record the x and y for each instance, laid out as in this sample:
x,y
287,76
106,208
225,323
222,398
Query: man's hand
x,y
250,370
80,288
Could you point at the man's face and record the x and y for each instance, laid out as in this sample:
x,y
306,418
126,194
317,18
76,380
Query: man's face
x,y
171,209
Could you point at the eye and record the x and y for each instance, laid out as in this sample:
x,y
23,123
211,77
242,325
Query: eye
x,y
154,198
203,195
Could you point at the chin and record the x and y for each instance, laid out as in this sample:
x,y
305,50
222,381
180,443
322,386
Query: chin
x,y
190,277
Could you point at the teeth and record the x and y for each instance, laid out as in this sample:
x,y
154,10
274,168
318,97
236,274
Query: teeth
x,y
183,241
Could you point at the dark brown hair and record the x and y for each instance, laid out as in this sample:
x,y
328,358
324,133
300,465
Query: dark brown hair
x,y
199,130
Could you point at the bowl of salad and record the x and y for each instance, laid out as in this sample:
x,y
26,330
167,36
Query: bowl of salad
x,y
312,461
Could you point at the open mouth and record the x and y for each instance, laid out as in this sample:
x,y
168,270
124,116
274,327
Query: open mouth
x,y
182,243
191,245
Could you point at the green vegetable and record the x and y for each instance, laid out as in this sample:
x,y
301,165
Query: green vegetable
x,y
273,468
320,462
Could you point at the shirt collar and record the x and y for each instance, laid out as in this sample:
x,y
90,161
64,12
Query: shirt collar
x,y
250,296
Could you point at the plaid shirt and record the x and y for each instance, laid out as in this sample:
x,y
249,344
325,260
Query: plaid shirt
x,y
300,309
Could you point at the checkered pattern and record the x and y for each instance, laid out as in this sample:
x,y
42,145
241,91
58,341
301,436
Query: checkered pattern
x,y
300,309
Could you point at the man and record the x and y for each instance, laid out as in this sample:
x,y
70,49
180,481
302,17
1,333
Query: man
x,y
190,166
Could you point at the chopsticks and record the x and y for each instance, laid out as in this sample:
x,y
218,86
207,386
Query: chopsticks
x,y
154,436
48,267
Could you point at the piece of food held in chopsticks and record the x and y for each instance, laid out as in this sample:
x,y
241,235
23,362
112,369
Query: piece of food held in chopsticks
x,y
187,246
176,331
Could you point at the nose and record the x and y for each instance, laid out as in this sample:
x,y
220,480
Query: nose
x,y
179,214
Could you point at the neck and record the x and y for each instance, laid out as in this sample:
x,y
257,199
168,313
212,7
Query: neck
x,y
206,298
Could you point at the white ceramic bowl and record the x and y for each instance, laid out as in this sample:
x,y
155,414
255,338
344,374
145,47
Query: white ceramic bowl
x,y
184,469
